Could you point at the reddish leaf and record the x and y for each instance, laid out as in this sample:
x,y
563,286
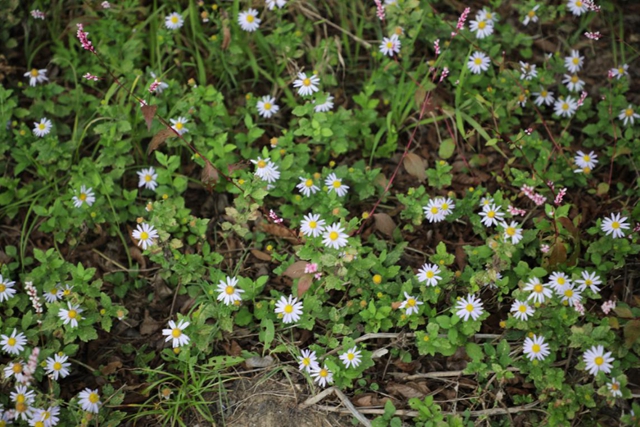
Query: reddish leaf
x,y
416,166
148,112
631,333
384,224
159,138
558,254
296,270
304,284
209,175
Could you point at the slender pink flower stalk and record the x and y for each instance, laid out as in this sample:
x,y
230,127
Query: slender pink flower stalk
x,y
461,21
593,35
274,216
82,36
154,86
544,248
560,196
528,191
90,76
32,365
515,211
311,268
592,6
380,9
37,14
583,96
608,306
33,295
445,73
436,46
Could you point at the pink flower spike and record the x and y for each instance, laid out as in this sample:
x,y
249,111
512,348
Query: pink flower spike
x,y
515,211
82,36
593,36
560,196
90,76
436,46
37,14
380,9
445,73
461,21
544,248
608,306
311,268
583,96
154,86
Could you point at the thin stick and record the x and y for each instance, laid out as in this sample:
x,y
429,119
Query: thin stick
x,y
345,401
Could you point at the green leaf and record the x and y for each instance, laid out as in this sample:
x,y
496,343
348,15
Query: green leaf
x,y
447,148
474,351
268,331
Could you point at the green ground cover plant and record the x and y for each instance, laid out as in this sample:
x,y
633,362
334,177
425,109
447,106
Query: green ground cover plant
x,y
430,206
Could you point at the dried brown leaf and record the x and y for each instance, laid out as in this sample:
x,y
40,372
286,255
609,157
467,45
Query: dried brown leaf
x,y
277,230
148,112
111,367
159,138
296,270
404,390
262,256
416,166
149,325
304,284
384,223
226,37
209,175
259,362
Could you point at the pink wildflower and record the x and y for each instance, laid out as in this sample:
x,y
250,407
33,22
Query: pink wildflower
x,y
560,196
544,248
37,14
592,6
311,268
538,199
32,365
90,76
583,96
274,217
610,74
35,300
461,22
105,5
380,9
515,211
608,306
593,35
436,46
528,131
82,36
154,86
579,307
445,73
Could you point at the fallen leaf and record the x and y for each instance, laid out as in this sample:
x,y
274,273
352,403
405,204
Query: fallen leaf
x,y
259,362
159,138
416,166
209,175
296,270
278,231
631,333
384,224
226,37
406,367
396,305
149,325
111,367
304,284
403,390
262,256
148,112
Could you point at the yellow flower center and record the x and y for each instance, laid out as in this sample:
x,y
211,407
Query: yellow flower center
x,y
72,314
511,231
53,291
411,302
174,19
333,235
16,368
469,308
389,45
599,360
434,210
351,356
42,126
491,214
176,332
306,361
628,112
306,82
308,183
94,398
267,106
179,125
621,70
575,61
482,25
489,16
38,424
522,309
11,342
20,398
337,184
144,235
2,288
313,224
444,206
574,79
588,282
250,18
34,73
229,290
586,170
288,309
544,93
430,274
535,348
148,178
323,373
615,387
21,407
477,61
560,280
568,293
579,3
615,225
531,14
565,106
57,366
45,415
586,158
82,197
537,288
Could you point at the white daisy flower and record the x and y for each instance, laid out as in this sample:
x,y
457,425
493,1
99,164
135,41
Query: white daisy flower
x,y
53,295
390,45
614,388
334,236
266,170
6,289
620,72
491,215
615,225
57,366
178,125
16,370
43,128
589,281
86,196
558,281
469,307
486,15
334,183
482,27
527,71
144,234
175,333
326,106
323,376
531,15
585,162
521,310
574,84
271,4
312,225
48,417
36,76
539,292
446,205
511,231
66,290
411,304
565,107
577,7
23,399
486,201
290,309
478,62
229,293
147,178
543,97
249,20
71,316
571,296
89,400
306,85
535,348
574,62
351,358
267,106
173,21
596,360
308,361
433,212
429,274
628,115
307,186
